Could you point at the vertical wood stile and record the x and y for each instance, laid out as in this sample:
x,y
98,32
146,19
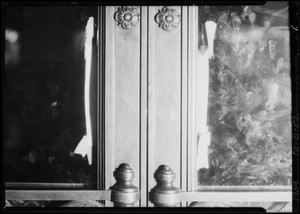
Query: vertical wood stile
x,y
143,106
184,94
192,136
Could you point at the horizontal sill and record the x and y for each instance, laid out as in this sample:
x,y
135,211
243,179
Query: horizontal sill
x,y
237,196
244,188
58,195
29,185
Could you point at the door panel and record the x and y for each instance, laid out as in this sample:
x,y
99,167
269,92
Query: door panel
x,y
164,97
122,96
146,97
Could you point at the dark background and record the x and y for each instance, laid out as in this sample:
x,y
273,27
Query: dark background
x,y
43,102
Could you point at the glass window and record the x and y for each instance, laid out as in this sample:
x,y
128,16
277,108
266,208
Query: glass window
x,y
43,99
249,100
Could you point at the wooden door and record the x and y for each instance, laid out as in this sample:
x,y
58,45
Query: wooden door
x,y
146,92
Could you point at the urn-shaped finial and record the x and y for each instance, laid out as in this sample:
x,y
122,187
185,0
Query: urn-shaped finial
x,y
165,193
124,193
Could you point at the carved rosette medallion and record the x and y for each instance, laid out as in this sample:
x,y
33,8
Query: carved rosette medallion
x,y
127,17
167,18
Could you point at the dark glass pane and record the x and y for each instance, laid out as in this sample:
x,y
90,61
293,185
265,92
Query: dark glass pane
x,y
249,107
43,99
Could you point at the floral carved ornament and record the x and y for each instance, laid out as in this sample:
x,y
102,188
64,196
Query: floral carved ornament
x,y
168,18
127,17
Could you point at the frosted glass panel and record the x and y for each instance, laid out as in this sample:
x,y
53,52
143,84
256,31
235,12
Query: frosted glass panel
x,y
249,103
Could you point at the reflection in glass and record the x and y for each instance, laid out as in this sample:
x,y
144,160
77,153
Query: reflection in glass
x,y
43,99
249,104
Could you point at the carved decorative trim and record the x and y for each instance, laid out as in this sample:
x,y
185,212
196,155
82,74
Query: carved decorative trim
x,y
127,17
167,18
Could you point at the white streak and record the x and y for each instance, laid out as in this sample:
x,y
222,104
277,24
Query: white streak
x,y
202,97
85,145
210,30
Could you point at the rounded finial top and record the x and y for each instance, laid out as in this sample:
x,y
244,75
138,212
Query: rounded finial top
x,y
124,172
124,166
164,173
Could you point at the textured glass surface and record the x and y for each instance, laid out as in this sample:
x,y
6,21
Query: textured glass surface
x,y
249,107
267,206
